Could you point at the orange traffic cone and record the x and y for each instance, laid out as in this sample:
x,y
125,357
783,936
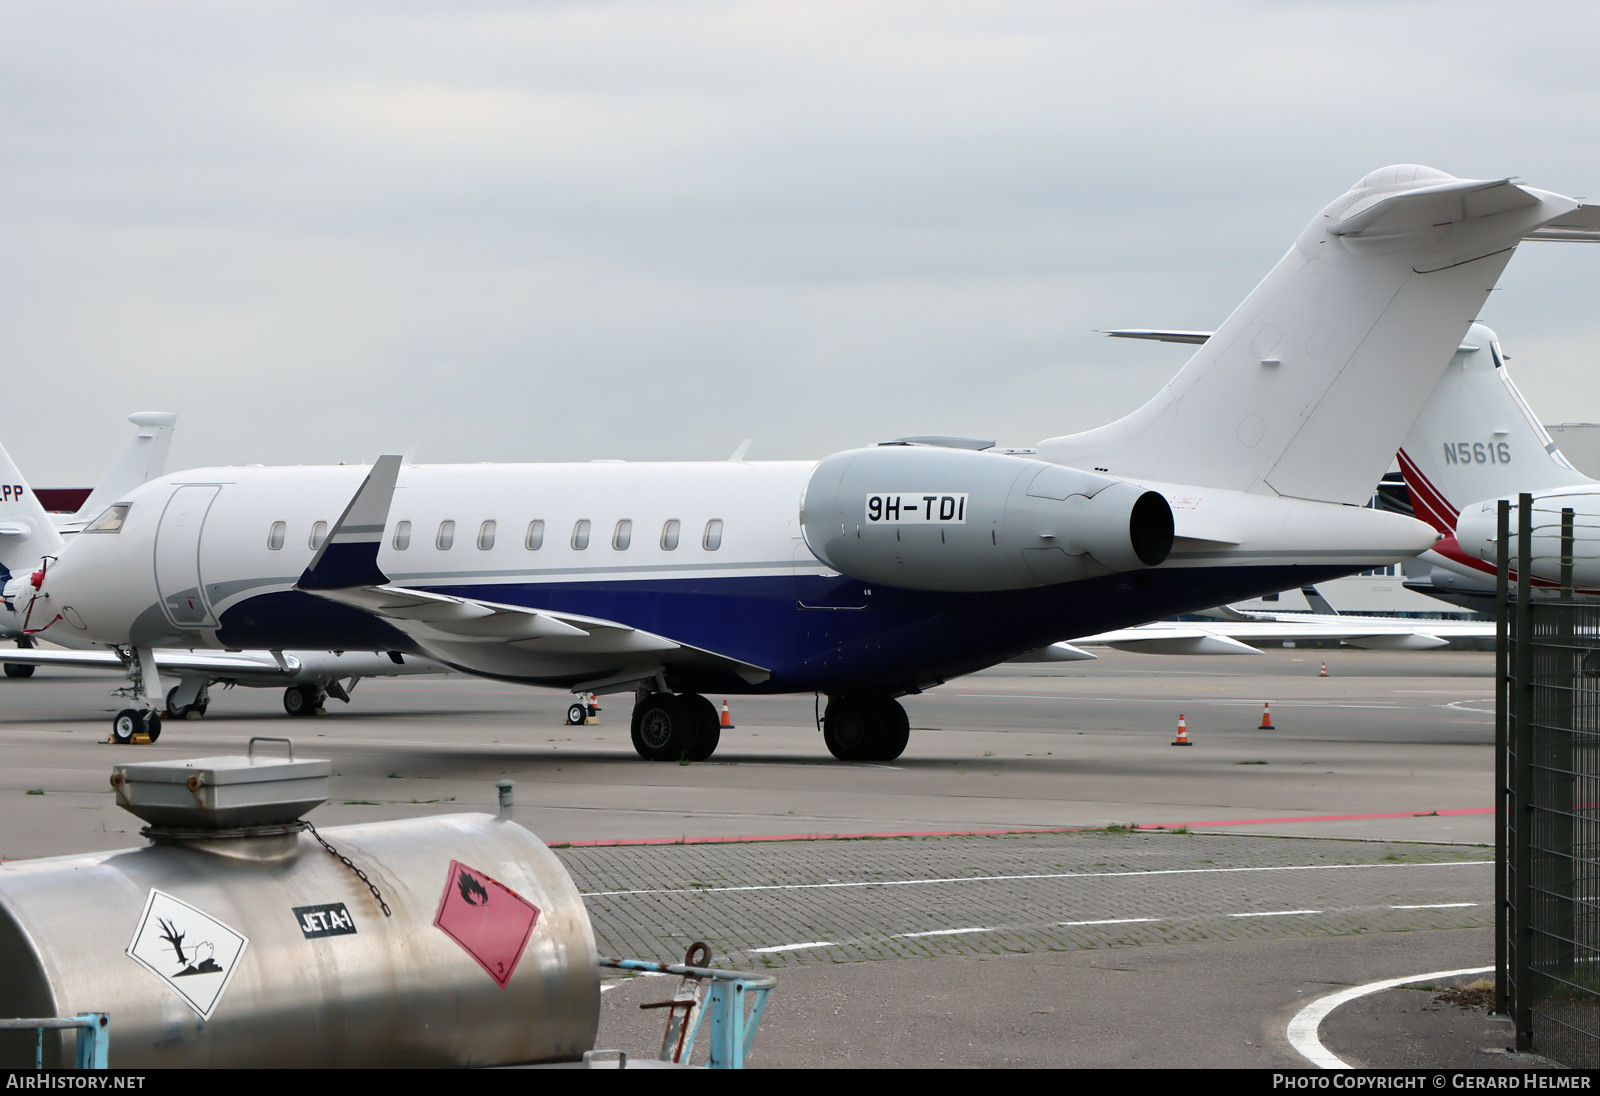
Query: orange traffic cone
x,y
1266,716
1324,672
1183,733
727,721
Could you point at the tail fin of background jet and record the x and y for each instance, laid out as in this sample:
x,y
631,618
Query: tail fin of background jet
x,y
1478,439
26,532
1308,388
141,460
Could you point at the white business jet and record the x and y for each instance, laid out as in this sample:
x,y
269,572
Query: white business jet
x,y
1478,442
142,459
868,575
307,678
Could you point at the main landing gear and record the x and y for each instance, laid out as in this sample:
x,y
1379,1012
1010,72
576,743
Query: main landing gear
x,y
675,727
865,728
188,699
304,700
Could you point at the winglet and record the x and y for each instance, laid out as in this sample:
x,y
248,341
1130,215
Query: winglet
x,y
349,557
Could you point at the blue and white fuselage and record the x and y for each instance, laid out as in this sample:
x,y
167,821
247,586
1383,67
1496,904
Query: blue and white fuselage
x,y
866,575
708,555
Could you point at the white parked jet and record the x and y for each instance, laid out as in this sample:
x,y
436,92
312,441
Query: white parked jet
x,y
868,575
307,678
1478,442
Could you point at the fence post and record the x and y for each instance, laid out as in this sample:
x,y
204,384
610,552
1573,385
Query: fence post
x,y
1503,803
1522,779
1560,852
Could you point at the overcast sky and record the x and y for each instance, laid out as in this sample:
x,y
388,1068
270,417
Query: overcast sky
x,y
544,231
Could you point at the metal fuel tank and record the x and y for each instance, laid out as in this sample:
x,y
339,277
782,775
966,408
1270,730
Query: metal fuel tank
x,y
237,938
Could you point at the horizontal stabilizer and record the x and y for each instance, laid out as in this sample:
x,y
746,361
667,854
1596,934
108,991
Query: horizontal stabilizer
x,y
349,557
1581,225
1431,207
1193,338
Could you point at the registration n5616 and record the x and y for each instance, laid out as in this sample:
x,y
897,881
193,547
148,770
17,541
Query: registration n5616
x,y
917,508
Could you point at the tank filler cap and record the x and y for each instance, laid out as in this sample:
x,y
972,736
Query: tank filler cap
x,y
221,793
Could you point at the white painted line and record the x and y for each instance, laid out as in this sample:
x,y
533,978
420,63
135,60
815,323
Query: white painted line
x,y
794,947
1117,921
1018,878
1302,1030
943,932
1437,906
1273,913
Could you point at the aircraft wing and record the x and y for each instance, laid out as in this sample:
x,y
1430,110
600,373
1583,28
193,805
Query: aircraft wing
x,y
171,662
1229,637
488,637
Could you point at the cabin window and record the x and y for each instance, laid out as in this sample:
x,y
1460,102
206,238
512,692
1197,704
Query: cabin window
x,y
275,535
535,538
402,536
623,536
110,521
669,534
446,537
580,535
486,536
713,538
319,533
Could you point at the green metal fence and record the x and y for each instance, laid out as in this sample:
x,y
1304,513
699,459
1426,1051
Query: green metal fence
x,y
1547,725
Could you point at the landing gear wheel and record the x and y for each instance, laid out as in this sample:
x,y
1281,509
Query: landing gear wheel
x,y
19,669
708,726
852,727
152,724
896,731
664,728
125,724
576,714
183,711
303,700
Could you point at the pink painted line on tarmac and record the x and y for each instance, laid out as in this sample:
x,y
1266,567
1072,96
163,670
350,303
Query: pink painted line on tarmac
x,y
750,838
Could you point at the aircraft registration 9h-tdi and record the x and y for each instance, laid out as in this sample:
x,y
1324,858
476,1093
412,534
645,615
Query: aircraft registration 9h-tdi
x,y
869,575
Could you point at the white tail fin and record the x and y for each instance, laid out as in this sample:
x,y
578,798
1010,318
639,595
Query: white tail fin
x,y
1478,439
141,460
26,532
1309,387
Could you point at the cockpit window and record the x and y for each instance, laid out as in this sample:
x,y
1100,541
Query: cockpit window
x,y
110,521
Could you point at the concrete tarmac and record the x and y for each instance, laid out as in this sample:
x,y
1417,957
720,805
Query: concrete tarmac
x,y
1388,747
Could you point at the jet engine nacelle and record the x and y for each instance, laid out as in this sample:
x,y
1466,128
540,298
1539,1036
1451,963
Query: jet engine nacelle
x,y
1475,532
931,518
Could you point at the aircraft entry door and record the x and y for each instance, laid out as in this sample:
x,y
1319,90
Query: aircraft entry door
x,y
178,557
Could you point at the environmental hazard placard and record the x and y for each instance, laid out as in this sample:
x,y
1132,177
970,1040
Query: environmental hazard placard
x,y
489,920
191,951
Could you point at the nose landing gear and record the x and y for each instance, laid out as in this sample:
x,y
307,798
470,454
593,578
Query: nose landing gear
x,y
131,723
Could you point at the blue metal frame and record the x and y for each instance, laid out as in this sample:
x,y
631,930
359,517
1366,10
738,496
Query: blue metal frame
x,y
734,1002
94,1036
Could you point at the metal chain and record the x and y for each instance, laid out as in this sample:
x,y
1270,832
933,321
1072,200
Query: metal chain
x,y
361,875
